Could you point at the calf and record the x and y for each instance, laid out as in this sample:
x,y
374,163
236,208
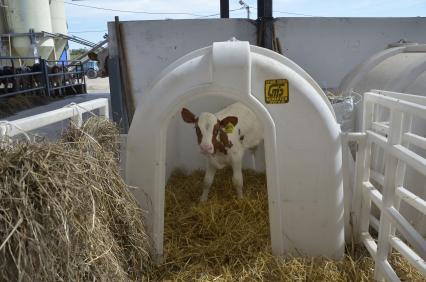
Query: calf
x,y
36,79
8,82
56,79
22,82
223,137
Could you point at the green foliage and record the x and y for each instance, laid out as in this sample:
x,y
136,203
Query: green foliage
x,y
74,53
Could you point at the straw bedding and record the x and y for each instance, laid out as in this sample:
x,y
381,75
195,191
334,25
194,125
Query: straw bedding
x,y
66,215
226,239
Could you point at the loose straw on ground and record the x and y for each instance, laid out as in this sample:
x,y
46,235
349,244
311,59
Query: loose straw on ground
x,y
226,239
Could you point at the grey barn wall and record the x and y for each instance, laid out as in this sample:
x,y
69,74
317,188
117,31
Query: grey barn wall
x,y
328,48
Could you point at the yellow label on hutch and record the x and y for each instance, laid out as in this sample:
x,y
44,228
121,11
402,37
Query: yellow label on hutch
x,y
276,91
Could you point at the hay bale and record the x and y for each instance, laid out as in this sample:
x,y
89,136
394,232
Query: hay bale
x,y
66,213
226,239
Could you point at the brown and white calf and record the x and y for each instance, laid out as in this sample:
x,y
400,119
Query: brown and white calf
x,y
223,137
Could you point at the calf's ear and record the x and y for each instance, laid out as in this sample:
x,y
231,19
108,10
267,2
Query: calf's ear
x,y
230,119
188,116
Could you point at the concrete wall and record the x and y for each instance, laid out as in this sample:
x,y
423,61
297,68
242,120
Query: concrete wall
x,y
153,45
328,48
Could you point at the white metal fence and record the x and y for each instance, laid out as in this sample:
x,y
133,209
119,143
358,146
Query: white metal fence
x,y
393,137
72,111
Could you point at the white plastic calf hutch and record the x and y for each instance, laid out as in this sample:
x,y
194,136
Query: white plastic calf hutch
x,y
302,142
400,68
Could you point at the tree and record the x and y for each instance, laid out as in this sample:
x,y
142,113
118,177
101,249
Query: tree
x,y
74,53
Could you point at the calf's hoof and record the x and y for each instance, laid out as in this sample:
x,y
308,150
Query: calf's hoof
x,y
203,198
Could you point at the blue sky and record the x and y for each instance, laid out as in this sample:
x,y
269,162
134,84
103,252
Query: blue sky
x,y
91,23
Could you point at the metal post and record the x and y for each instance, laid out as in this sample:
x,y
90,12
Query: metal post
x,y
83,79
260,9
268,26
1,46
10,45
265,23
63,90
224,9
81,75
267,9
45,75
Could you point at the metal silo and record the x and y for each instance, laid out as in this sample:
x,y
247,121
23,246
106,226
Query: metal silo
x,y
59,24
24,15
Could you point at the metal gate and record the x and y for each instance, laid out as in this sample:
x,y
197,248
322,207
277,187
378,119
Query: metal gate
x,y
43,77
394,136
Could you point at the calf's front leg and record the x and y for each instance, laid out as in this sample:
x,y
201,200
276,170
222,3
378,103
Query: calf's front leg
x,y
208,180
237,175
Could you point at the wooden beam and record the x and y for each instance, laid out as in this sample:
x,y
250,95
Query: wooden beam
x,y
124,75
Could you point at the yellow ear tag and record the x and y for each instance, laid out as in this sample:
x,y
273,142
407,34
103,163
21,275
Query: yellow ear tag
x,y
229,128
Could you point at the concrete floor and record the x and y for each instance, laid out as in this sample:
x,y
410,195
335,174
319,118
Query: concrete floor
x,y
97,85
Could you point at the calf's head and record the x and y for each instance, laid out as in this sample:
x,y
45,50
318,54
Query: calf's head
x,y
209,130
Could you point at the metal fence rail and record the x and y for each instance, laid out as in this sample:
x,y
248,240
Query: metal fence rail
x,y
394,138
71,111
44,77
66,82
